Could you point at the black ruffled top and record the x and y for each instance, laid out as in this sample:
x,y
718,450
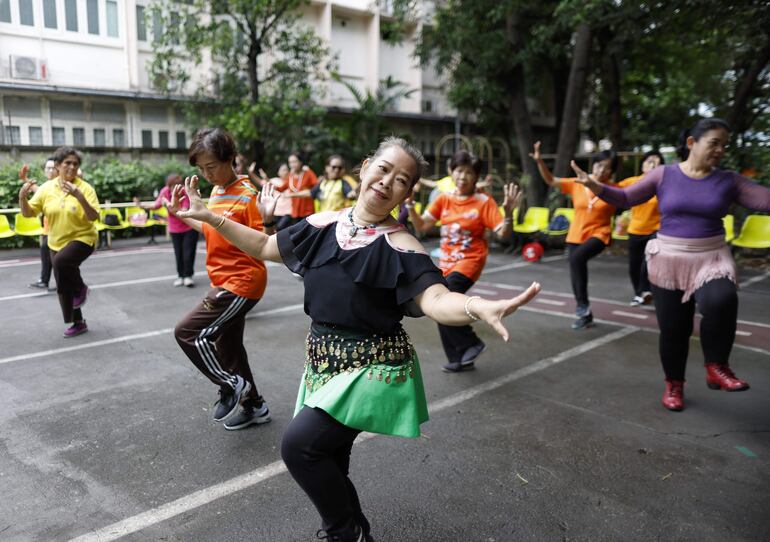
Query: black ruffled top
x,y
369,288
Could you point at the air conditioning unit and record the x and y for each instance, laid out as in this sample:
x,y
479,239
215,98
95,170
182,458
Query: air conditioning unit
x,y
28,67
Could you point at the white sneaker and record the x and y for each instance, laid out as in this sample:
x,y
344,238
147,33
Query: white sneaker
x,y
178,282
636,301
189,282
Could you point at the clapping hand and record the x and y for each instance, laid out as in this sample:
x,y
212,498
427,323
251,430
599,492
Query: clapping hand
x,y
512,198
29,184
493,312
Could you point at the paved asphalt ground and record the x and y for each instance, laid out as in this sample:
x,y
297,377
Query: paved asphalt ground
x,y
558,435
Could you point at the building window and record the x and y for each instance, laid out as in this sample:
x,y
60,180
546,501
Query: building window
x,y
141,24
118,137
67,110
147,139
79,136
35,135
12,135
112,18
57,135
92,10
163,139
71,15
181,140
157,26
5,11
100,137
25,13
49,13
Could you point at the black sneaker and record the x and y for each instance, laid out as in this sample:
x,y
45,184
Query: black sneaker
x,y
248,415
39,285
583,322
468,361
230,399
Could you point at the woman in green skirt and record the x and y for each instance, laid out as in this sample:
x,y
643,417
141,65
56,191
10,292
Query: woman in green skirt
x,y
363,272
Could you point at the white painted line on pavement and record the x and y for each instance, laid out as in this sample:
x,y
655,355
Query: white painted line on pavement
x,y
630,315
204,496
545,301
753,280
748,323
517,265
483,292
125,338
743,333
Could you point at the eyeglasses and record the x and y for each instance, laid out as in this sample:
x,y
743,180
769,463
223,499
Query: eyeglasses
x,y
335,167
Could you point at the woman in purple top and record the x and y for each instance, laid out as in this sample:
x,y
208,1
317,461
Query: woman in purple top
x,y
183,237
689,263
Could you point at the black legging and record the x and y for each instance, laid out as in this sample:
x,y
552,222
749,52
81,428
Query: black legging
x,y
66,270
185,245
579,254
637,264
45,260
717,302
316,450
457,339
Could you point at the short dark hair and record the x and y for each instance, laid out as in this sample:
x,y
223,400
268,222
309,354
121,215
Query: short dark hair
x,y
300,156
336,157
216,141
612,156
654,152
63,152
698,129
465,158
414,153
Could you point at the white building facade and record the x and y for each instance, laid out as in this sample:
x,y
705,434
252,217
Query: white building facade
x,y
74,72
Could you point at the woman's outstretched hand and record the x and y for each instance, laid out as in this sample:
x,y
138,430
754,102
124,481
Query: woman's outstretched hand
x,y
511,199
493,312
535,154
585,179
268,199
198,209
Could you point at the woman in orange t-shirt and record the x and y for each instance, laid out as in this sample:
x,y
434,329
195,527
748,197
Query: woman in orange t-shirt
x,y
301,178
644,225
211,335
590,231
465,215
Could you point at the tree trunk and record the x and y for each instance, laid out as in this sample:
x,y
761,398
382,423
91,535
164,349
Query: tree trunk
x,y
573,103
738,116
522,122
612,83
257,146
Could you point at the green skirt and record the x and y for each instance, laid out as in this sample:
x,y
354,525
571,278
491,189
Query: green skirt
x,y
370,382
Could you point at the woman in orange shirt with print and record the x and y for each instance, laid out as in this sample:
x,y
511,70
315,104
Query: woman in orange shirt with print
x,y
211,335
645,222
301,178
590,231
465,215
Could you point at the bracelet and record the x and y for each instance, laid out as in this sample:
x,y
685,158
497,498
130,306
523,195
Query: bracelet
x,y
467,309
269,224
220,223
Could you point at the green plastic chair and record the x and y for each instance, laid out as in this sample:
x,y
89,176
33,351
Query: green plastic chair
x,y
122,224
729,223
5,228
562,211
755,233
535,220
27,226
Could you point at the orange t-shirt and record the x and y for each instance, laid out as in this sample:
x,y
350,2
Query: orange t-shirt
x,y
593,216
645,217
463,222
301,207
228,266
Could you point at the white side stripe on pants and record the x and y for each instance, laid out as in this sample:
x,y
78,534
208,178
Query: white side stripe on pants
x,y
204,346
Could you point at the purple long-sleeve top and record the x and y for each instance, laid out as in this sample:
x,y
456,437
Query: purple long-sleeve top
x,y
691,208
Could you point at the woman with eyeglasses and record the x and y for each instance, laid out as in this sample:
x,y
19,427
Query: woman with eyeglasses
x,y
71,208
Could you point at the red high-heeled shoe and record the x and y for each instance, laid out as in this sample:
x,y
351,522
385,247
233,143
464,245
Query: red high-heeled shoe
x,y
720,377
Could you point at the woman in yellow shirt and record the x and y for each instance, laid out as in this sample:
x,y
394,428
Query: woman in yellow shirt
x,y
71,207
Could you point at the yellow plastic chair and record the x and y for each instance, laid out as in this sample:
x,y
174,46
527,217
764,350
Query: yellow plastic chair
x,y
617,236
122,224
567,212
729,224
535,220
28,226
755,233
5,228
132,211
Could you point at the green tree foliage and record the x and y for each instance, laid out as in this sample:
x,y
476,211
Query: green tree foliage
x,y
263,68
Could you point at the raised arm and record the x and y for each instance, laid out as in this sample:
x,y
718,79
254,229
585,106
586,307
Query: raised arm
x,y
422,223
545,173
627,197
752,195
253,242
455,309
29,185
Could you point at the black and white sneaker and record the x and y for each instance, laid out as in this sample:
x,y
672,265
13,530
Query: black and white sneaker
x,y
583,322
248,415
230,399
636,301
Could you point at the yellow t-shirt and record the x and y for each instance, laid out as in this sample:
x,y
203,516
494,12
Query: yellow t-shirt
x,y
67,219
445,184
645,217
